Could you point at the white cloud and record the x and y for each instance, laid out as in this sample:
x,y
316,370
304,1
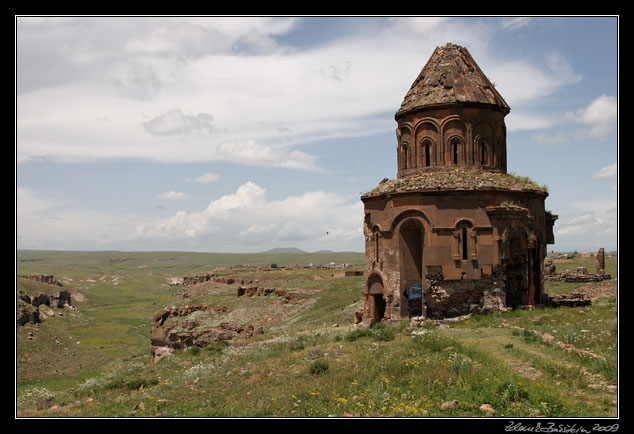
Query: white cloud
x,y
140,80
513,23
176,122
247,221
606,172
205,178
29,203
252,153
420,26
600,116
526,120
43,223
266,100
173,195
525,81
598,119
591,224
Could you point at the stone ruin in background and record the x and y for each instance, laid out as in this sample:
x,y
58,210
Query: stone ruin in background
x,y
580,274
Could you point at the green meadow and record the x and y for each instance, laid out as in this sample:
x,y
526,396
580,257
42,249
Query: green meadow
x,y
309,361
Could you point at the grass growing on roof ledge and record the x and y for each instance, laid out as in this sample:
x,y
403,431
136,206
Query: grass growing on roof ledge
x,y
458,179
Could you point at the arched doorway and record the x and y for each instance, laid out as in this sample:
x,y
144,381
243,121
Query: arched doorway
x,y
376,301
411,235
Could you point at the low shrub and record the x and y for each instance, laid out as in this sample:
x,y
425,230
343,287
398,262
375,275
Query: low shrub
x,y
512,392
383,333
318,367
379,331
297,344
131,384
356,334
529,336
217,348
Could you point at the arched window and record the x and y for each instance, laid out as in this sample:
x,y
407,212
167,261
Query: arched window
x,y
464,244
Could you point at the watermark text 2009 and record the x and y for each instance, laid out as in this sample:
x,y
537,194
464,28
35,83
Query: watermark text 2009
x,y
552,427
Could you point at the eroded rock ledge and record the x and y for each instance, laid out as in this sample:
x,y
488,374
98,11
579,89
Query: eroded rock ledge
x,y
165,339
27,307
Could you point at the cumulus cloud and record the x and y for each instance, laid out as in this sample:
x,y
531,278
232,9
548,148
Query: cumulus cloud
x,y
265,97
246,220
205,178
176,122
599,116
606,172
598,120
173,195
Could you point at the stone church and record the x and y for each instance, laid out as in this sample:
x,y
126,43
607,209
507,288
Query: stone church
x,y
454,233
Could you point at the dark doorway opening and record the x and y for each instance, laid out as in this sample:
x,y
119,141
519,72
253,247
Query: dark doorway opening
x,y
379,307
375,297
517,270
411,261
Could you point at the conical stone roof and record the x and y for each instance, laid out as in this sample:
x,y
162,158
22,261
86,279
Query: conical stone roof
x,y
450,76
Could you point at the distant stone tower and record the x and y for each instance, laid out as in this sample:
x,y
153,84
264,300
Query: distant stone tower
x,y
453,233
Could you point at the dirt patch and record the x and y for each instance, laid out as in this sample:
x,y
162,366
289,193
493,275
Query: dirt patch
x,y
78,296
599,290
524,369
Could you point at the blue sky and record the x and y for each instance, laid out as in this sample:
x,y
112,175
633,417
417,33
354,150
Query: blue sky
x,y
240,134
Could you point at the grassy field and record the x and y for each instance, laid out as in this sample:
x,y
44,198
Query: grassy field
x,y
309,362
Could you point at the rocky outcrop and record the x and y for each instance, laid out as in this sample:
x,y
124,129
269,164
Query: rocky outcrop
x,y
164,340
202,278
254,291
28,305
60,299
26,313
44,278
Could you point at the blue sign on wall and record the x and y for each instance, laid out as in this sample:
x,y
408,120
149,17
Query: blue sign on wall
x,y
414,292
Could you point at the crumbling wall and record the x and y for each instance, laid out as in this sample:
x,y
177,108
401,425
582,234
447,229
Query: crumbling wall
x,y
452,298
580,274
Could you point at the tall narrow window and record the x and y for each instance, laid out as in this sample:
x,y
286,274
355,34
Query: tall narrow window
x,y
427,156
405,157
454,150
483,152
464,245
376,247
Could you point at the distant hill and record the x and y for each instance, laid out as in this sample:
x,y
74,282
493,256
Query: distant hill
x,y
285,250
